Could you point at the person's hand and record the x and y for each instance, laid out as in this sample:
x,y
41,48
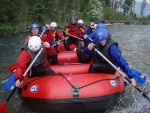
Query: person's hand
x,y
47,26
57,42
18,83
46,45
66,38
67,33
91,46
133,82
85,36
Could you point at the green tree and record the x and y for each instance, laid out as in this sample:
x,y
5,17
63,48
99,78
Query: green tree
x,y
143,5
37,12
127,6
9,11
106,3
95,10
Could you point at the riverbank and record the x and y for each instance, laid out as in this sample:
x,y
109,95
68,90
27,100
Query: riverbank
x,y
7,30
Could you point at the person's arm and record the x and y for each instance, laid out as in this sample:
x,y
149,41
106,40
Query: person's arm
x,y
60,35
66,31
44,38
23,61
89,51
88,41
120,61
49,36
48,49
87,31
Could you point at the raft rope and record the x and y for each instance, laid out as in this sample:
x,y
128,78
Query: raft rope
x,y
60,74
117,77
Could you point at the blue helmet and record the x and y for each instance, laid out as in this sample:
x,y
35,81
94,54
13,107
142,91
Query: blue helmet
x,y
43,29
101,34
34,25
74,17
101,25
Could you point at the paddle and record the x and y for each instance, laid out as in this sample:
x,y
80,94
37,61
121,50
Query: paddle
x,y
10,83
75,37
4,104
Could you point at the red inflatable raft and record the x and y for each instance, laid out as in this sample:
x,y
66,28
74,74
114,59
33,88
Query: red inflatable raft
x,y
73,90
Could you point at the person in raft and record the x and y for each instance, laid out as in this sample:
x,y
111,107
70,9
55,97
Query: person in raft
x,y
91,28
71,32
109,48
41,66
57,36
34,29
80,23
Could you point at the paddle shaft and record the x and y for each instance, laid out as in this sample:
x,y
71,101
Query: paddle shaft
x,y
42,33
8,98
75,37
122,74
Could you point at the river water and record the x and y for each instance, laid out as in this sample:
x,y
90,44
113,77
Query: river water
x,y
134,41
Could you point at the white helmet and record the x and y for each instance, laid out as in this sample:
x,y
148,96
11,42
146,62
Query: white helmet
x,y
34,43
80,21
53,24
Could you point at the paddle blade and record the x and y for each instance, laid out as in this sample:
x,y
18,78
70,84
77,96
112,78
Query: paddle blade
x,y
10,83
3,107
138,76
13,68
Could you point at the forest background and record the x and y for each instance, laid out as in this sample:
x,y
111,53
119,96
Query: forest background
x,y
17,15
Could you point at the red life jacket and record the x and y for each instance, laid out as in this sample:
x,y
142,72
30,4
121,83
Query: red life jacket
x,y
75,30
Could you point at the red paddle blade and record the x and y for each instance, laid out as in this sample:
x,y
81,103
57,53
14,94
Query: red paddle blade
x,y
3,107
13,68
